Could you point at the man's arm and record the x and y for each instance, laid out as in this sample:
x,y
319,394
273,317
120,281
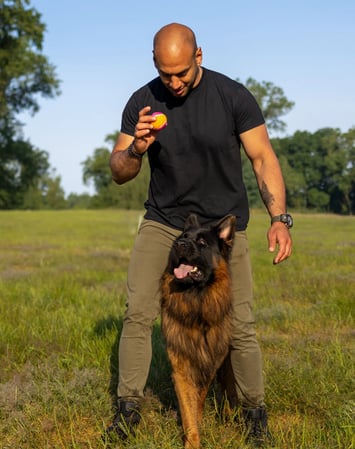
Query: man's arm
x,y
271,184
125,160
124,166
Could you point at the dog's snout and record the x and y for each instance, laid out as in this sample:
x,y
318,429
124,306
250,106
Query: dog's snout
x,y
182,243
183,247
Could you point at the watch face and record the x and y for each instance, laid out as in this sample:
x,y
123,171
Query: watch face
x,y
287,219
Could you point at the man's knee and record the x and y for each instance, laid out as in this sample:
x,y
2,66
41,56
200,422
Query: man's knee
x,y
138,322
244,332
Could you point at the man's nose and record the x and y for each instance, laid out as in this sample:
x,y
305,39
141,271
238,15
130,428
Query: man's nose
x,y
174,82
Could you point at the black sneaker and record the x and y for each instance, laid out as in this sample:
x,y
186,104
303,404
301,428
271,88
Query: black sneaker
x,y
126,418
258,434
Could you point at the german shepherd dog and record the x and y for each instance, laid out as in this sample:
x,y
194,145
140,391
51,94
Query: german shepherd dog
x,y
197,315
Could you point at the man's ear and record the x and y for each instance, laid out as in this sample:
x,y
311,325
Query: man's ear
x,y
155,61
198,56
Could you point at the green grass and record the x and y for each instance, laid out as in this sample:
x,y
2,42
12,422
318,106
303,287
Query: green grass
x,y
62,295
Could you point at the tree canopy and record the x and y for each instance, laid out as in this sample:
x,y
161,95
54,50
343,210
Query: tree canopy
x,y
325,165
272,101
25,73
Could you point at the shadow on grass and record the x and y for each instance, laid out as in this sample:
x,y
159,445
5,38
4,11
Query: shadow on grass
x,y
159,382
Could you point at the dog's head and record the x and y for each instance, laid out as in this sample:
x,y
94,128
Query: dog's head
x,y
197,251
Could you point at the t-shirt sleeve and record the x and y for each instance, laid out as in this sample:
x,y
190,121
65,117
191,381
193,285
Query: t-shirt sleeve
x,y
247,113
130,116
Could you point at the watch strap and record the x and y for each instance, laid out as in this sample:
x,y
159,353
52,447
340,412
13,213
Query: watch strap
x,y
133,153
286,219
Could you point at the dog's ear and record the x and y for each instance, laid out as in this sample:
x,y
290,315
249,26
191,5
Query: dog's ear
x,y
226,229
192,221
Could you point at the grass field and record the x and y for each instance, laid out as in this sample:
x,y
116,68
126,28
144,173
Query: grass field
x,y
62,295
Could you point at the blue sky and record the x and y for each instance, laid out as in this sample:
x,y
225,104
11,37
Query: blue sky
x,y
102,52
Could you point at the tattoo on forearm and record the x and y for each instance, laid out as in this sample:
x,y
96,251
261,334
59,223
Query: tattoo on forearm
x,y
266,195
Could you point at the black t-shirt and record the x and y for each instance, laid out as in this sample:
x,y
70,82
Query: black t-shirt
x,y
195,161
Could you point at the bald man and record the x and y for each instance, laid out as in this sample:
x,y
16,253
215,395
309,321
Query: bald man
x,y
196,168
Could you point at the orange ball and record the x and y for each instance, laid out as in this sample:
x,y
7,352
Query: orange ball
x,y
161,121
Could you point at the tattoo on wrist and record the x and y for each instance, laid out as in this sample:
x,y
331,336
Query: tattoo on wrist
x,y
266,195
133,153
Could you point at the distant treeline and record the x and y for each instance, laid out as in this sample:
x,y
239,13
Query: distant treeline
x,y
319,171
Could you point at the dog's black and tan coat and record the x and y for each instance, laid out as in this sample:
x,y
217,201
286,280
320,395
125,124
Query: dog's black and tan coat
x,y
197,314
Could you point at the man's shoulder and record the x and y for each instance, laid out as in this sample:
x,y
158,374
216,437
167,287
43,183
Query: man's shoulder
x,y
232,90
218,77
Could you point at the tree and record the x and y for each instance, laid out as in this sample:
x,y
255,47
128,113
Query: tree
x,y
347,183
25,73
78,201
47,193
108,194
96,169
21,165
272,101
324,163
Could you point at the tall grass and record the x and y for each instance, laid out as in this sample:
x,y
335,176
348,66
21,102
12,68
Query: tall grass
x,y
62,296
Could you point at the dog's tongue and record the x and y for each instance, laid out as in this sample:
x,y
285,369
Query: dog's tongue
x,y
182,271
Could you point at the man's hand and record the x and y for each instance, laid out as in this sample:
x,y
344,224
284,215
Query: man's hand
x,y
279,235
144,134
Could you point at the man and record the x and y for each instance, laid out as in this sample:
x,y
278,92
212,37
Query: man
x,y
195,167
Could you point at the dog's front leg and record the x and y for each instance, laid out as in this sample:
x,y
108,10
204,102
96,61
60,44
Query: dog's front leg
x,y
188,399
201,399
189,403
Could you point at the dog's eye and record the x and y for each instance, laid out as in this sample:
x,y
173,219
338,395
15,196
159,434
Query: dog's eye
x,y
201,241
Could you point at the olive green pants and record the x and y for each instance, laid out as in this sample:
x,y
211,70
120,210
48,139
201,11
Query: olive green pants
x,y
148,261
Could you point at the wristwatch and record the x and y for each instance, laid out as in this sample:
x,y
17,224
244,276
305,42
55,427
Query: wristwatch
x,y
133,153
286,219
